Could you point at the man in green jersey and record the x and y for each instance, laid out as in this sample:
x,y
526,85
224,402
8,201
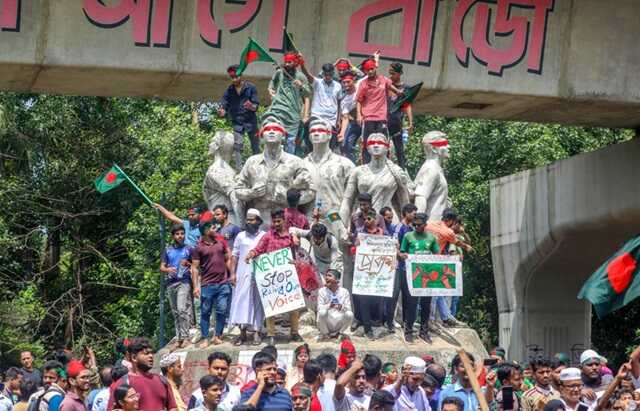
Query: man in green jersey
x,y
418,241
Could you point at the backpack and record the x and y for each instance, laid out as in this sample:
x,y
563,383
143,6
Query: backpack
x,y
37,400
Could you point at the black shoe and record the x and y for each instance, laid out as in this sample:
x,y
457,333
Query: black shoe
x,y
369,335
271,341
409,338
426,338
355,325
296,337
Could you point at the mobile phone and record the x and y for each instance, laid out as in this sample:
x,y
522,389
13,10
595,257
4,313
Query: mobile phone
x,y
489,362
507,398
582,407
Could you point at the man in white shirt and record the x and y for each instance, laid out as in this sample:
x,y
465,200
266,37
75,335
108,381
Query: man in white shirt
x,y
325,249
219,363
325,100
407,390
334,306
329,366
571,389
356,398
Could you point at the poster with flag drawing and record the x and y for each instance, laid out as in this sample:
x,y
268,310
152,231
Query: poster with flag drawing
x,y
375,265
431,275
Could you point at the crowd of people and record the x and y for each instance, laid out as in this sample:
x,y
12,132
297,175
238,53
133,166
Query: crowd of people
x,y
352,382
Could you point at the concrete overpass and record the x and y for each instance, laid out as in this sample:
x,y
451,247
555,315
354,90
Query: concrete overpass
x,y
566,61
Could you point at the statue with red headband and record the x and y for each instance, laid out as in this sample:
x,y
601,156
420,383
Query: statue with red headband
x,y
266,177
384,180
290,91
432,189
329,171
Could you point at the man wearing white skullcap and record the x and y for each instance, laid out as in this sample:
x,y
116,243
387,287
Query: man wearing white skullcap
x,y
407,390
571,389
594,382
246,309
171,367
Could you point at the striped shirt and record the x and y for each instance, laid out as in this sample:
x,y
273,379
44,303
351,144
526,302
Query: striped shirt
x,y
278,400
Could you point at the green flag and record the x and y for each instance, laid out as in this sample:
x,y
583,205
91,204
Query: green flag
x,y
617,282
410,93
253,52
289,46
112,178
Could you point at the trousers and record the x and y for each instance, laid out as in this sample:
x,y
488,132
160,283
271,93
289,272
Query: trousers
x,y
332,321
179,295
217,295
294,318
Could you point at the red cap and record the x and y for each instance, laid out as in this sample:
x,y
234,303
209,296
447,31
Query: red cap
x,y
291,58
342,65
346,347
74,368
369,64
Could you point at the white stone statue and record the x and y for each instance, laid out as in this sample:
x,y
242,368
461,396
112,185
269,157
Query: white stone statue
x,y
431,185
266,177
219,183
384,180
329,174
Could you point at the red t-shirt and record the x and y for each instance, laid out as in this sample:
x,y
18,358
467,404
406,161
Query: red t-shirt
x,y
315,404
211,256
372,95
155,395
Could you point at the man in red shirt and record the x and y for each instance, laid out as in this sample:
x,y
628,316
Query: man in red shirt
x,y
155,392
276,238
371,103
292,216
210,261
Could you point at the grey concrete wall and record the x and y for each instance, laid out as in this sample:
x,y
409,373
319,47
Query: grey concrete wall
x,y
565,61
551,227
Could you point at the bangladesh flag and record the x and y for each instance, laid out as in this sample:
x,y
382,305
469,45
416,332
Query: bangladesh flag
x,y
617,282
410,94
289,46
110,179
253,52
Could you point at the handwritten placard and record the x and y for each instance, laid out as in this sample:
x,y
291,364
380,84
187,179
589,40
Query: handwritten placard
x,y
278,283
434,275
375,265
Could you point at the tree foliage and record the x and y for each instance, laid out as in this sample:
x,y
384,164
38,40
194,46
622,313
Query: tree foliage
x,y
78,267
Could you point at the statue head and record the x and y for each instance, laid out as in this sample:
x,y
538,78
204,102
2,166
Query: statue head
x,y
378,145
319,131
221,144
272,131
435,143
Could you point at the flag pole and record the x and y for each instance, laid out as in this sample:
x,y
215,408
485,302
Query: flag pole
x,y
161,336
134,185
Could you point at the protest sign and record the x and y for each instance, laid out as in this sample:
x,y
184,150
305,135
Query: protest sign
x,y
277,282
375,265
431,275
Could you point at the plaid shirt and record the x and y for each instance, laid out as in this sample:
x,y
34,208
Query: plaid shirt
x,y
273,241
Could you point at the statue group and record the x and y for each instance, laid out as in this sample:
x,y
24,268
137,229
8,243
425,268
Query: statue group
x,y
327,181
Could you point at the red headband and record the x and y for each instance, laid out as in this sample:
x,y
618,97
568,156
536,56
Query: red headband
x,y
272,127
343,65
377,143
231,72
347,77
440,143
319,130
368,65
291,58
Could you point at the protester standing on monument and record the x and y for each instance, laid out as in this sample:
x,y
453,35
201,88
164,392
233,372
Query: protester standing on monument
x,y
418,242
396,119
325,250
240,101
276,238
324,105
334,307
358,218
407,392
176,265
387,215
246,307
191,224
289,90
224,226
350,130
210,261
542,390
292,216
371,99
171,368
219,365
29,373
79,385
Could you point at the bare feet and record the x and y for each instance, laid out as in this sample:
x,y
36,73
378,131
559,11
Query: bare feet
x,y
216,340
204,343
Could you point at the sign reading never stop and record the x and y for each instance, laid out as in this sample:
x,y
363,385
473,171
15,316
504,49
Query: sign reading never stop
x,y
277,281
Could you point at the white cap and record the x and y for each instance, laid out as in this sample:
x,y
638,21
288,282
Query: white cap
x,y
417,364
589,355
570,373
168,360
254,212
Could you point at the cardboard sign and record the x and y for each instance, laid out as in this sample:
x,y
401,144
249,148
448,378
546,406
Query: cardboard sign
x,y
431,275
375,265
278,283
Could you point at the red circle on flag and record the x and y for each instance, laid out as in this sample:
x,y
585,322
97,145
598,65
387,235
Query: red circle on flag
x,y
620,272
111,177
252,55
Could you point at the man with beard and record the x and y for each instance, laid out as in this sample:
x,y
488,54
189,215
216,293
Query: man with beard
x,y
591,373
171,368
219,364
542,390
350,130
407,390
51,395
191,224
462,386
224,226
266,395
289,90
356,399
246,308
155,392
211,388
79,384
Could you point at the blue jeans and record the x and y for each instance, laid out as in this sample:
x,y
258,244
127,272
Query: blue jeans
x,y
443,308
351,137
290,143
455,300
210,295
